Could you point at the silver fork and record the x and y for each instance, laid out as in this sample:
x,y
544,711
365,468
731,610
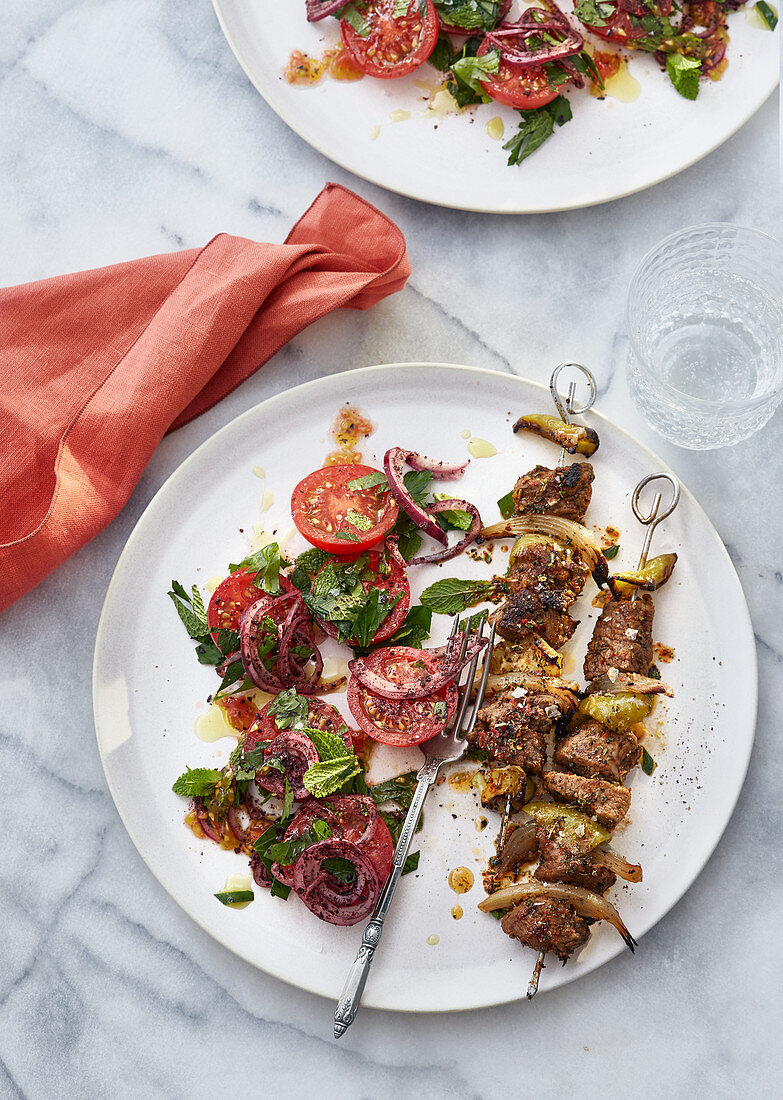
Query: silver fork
x,y
447,746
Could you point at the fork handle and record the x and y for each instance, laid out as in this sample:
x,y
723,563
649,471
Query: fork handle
x,y
351,996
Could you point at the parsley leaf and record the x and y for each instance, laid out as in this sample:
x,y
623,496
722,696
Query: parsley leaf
x,y
453,519
470,70
536,126
684,74
197,783
449,596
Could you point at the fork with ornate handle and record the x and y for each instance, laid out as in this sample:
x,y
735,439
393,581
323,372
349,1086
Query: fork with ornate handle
x,y
447,746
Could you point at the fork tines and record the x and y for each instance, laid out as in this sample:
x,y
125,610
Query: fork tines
x,y
462,726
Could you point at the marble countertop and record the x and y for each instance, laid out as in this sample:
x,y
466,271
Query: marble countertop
x,y
128,128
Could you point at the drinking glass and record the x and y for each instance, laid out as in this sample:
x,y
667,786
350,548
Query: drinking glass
x,y
705,321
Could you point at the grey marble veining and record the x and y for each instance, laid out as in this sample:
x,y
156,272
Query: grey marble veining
x,y
126,127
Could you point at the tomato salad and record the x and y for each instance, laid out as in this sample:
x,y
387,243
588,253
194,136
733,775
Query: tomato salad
x,y
527,62
294,797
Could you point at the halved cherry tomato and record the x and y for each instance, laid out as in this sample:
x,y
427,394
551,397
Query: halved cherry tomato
x,y
393,47
324,509
617,28
347,817
395,582
231,599
240,712
522,86
401,722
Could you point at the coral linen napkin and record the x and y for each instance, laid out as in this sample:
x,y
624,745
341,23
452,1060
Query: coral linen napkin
x,y
96,367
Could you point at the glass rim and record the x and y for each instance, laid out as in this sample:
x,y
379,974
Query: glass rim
x,y
654,250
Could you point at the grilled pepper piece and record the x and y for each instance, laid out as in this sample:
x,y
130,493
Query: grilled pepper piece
x,y
617,712
575,830
574,437
653,576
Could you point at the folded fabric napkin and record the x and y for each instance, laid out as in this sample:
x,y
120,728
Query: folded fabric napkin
x,y
96,367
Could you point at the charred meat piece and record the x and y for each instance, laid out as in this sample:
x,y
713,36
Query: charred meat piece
x,y
547,924
607,802
564,491
550,571
593,750
558,864
622,637
513,728
525,615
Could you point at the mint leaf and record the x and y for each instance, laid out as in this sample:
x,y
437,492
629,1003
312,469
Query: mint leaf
x,y
193,618
411,863
611,551
472,70
648,764
197,783
369,481
684,74
313,560
342,869
400,8
400,789
506,505
441,58
414,630
347,536
450,596
369,617
289,710
536,126
328,745
329,776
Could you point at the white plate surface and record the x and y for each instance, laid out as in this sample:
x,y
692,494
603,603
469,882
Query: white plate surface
x,y
148,687
610,149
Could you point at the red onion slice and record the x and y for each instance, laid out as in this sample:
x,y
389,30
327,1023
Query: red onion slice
x,y
450,667
205,822
324,895
297,753
319,9
393,463
465,540
441,471
291,618
511,40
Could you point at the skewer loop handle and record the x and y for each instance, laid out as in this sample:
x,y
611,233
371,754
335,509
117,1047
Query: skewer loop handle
x,y
567,408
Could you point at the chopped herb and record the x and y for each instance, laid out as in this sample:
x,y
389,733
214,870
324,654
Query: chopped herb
x,y
470,15
400,8
536,126
414,630
653,672
288,800
401,790
266,563
356,519
684,74
352,16
611,551
648,764
235,897
347,536
595,13
498,914
470,70
342,869
197,783
286,852
584,64
450,596
767,14
375,480
441,59
439,708
411,863
455,518
506,505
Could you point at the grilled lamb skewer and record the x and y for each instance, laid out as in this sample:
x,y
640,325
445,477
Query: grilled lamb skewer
x,y
596,760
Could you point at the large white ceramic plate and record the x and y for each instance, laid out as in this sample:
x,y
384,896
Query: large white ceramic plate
x,y
610,149
149,688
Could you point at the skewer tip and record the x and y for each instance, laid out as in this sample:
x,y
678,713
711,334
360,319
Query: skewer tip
x,y
532,988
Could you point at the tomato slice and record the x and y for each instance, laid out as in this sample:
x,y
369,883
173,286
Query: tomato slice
x,y
395,582
339,519
240,712
401,722
320,715
522,86
393,47
347,816
231,599
617,28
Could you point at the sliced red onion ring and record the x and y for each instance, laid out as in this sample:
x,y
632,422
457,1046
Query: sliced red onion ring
x,y
324,895
451,665
319,9
467,537
393,463
511,38
350,817
290,616
441,471
297,753
261,876
205,822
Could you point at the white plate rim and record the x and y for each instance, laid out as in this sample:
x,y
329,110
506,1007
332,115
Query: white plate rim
x,y
345,162
718,824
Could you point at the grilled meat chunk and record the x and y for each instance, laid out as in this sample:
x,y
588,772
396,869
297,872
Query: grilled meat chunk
x,y
513,728
550,571
558,864
547,924
564,491
525,614
593,750
607,802
622,637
